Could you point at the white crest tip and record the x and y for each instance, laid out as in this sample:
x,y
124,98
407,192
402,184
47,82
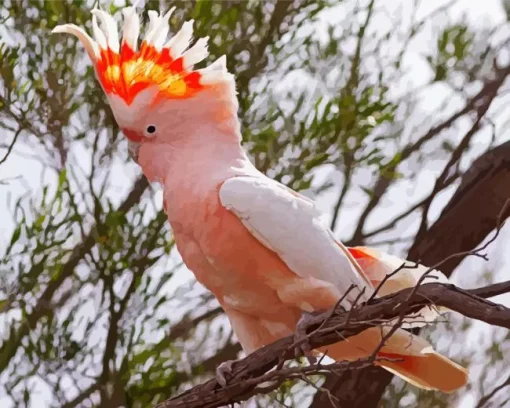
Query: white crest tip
x,y
89,44
220,65
153,15
98,33
170,12
222,61
126,11
110,29
180,41
63,28
196,53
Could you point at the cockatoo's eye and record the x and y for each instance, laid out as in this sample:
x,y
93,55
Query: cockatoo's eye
x,y
151,129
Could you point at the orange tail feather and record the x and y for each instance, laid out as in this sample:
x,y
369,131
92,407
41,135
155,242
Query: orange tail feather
x,y
417,362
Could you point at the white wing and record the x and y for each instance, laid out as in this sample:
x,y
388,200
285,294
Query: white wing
x,y
291,226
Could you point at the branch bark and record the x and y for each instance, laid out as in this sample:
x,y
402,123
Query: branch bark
x,y
472,212
250,375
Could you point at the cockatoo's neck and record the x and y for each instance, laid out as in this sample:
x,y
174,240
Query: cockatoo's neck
x,y
191,172
206,157
200,138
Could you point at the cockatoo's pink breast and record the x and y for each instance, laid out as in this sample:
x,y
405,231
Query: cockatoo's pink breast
x,y
232,264
257,290
239,261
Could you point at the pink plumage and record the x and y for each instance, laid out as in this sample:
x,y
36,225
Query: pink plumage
x,y
260,247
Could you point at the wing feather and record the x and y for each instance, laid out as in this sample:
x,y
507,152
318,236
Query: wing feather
x,y
291,226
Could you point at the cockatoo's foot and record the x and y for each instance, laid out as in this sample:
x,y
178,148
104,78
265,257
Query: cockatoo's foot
x,y
303,348
223,371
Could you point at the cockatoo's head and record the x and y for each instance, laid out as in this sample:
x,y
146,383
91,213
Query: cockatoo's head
x,y
154,93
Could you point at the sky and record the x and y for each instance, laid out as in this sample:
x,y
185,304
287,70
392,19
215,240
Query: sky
x,y
23,175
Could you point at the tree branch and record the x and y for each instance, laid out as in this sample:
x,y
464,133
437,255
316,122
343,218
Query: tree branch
x,y
479,102
330,327
11,145
352,83
486,398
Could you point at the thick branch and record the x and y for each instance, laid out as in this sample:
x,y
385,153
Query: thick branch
x,y
331,327
471,213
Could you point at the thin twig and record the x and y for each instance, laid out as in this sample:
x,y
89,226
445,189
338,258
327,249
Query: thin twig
x,y
487,397
11,145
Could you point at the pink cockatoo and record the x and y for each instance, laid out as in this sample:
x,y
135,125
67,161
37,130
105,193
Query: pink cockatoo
x,y
260,247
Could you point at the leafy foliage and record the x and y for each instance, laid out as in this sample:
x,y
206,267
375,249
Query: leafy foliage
x,y
95,307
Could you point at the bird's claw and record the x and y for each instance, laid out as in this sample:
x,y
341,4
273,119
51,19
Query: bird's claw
x,y
223,371
301,338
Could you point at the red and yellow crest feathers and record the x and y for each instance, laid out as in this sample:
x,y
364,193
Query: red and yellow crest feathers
x,y
125,71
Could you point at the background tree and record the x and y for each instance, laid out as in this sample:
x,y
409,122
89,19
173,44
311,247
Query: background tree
x,y
392,115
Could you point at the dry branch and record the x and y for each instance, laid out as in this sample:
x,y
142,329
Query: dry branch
x,y
250,373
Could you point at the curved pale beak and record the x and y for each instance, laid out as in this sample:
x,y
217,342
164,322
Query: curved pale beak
x,y
133,148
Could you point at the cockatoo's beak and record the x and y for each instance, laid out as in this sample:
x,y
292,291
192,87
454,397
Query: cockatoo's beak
x,y
133,149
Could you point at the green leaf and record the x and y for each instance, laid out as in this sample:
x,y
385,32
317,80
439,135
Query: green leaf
x,y
15,236
39,221
62,178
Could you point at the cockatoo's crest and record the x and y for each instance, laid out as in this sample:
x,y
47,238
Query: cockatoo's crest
x,y
125,71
